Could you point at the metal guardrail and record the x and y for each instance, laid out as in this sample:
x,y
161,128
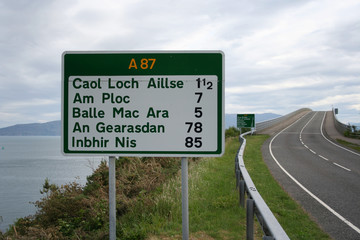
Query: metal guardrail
x,y
268,123
255,204
344,129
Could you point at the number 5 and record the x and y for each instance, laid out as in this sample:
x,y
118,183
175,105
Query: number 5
x,y
198,112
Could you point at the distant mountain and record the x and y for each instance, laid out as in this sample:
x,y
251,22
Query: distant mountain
x,y
54,128
230,119
33,129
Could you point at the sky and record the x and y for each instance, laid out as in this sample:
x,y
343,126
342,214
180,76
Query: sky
x,y
280,55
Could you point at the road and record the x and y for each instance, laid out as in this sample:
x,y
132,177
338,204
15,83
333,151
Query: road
x,y
322,177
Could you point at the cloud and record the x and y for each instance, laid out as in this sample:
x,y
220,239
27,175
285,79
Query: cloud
x,y
346,100
27,111
31,103
300,82
279,55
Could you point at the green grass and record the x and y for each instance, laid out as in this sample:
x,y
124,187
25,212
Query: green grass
x,y
349,145
214,211
296,223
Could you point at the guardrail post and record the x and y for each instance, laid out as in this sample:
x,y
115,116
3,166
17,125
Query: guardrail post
x,y
249,219
237,175
242,193
270,226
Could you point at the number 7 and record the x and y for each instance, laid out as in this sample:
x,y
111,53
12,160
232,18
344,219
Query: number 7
x,y
153,62
200,95
190,126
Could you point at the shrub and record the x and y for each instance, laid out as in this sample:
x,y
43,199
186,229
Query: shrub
x,y
232,132
72,211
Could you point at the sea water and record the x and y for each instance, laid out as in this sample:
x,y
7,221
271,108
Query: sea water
x,y
25,163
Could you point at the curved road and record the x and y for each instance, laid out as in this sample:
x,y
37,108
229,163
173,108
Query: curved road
x,y
323,177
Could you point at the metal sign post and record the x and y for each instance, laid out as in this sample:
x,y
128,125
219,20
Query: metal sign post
x,y
112,198
185,198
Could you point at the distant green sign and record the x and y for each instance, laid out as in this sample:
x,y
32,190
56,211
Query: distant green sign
x,y
246,120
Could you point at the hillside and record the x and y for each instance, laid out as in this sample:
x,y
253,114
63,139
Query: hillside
x,y
33,129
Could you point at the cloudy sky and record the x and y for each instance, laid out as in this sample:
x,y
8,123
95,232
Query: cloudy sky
x,y
281,55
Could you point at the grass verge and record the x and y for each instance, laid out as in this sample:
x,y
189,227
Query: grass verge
x,y
295,221
349,145
214,202
214,211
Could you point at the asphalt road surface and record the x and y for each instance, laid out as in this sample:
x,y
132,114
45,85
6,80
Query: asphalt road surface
x,y
323,177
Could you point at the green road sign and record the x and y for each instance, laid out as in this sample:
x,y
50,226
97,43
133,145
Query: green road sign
x,y
246,120
143,103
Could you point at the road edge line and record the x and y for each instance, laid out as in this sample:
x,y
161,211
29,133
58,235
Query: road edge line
x,y
321,130
347,222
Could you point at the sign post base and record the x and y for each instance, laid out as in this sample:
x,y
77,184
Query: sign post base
x,y
185,198
112,199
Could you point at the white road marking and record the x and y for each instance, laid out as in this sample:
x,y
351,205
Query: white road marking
x,y
321,127
305,189
341,166
326,139
323,157
303,130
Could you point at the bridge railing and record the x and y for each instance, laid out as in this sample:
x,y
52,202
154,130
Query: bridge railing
x,y
269,123
255,204
343,128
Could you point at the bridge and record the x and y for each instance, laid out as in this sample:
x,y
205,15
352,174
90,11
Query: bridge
x,y
315,170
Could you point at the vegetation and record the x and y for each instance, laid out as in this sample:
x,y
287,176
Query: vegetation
x,y
72,211
349,144
232,132
352,132
214,211
149,201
